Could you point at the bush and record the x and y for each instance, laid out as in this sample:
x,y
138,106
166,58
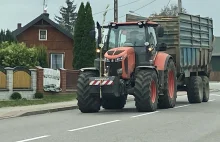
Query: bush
x,y
42,56
16,96
38,95
18,54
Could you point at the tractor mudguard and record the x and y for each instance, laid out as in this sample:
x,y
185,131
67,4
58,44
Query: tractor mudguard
x,y
89,69
110,86
147,67
161,61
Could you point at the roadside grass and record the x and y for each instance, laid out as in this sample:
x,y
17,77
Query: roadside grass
x,y
46,100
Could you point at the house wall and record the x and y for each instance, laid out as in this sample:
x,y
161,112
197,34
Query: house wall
x,y
56,42
215,63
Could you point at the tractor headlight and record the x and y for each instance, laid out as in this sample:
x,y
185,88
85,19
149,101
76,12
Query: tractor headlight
x,y
97,50
150,49
119,59
107,60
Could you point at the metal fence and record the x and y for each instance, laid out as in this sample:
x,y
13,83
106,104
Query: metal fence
x,y
71,79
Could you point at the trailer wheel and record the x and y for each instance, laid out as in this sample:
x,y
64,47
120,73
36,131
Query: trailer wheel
x,y
195,89
206,92
168,99
146,91
87,102
114,102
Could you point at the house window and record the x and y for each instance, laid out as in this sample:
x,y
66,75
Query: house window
x,y
57,61
42,34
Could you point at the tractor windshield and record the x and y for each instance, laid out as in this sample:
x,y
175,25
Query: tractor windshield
x,y
127,35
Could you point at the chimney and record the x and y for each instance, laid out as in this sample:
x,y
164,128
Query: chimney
x,y
18,25
46,14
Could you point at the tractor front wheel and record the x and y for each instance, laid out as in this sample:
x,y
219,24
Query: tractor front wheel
x,y
87,102
146,91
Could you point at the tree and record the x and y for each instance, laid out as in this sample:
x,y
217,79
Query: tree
x,y
89,44
84,45
6,36
173,10
42,55
68,16
78,36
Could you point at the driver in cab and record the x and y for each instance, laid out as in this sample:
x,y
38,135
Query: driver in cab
x,y
135,38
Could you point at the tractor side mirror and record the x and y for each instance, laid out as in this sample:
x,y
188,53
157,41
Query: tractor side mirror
x,y
99,33
160,31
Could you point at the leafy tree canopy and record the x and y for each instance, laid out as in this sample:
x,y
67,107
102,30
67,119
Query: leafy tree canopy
x,y
171,10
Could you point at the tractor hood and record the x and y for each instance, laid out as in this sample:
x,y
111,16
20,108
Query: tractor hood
x,y
119,52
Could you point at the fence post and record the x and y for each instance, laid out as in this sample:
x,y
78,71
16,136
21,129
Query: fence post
x,y
40,79
63,79
33,80
9,72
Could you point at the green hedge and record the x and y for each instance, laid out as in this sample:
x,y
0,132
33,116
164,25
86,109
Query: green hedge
x,y
18,54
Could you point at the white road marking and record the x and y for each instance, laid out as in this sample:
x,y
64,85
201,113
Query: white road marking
x,y
36,138
212,100
182,106
144,114
77,129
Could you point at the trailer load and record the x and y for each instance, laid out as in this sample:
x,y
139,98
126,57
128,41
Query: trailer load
x,y
149,59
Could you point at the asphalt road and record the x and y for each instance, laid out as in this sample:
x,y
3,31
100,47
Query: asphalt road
x,y
184,123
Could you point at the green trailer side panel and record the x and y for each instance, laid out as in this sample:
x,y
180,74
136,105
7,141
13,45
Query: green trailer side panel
x,y
189,39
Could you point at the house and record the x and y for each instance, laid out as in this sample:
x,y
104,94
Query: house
x,y
216,55
215,62
59,42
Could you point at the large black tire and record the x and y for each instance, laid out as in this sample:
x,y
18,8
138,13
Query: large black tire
x,y
87,103
206,90
114,102
168,99
146,91
195,89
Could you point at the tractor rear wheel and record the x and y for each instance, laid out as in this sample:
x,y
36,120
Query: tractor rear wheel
x,y
195,89
114,102
87,102
146,91
168,99
206,91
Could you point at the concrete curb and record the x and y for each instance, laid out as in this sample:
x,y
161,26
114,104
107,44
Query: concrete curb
x,y
66,108
56,110
49,110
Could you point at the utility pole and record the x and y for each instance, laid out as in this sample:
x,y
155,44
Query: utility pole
x,y
180,5
115,10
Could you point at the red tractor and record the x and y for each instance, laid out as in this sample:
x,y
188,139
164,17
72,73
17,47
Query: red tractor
x,y
133,63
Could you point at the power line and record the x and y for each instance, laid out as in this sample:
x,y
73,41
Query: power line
x,y
139,8
118,7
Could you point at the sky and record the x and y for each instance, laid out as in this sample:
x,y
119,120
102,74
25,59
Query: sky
x,y
23,11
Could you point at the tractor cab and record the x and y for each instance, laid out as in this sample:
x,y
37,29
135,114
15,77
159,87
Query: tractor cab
x,y
129,45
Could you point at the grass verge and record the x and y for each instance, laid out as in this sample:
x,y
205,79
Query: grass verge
x,y
47,99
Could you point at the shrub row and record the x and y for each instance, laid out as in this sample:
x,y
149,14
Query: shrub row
x,y
17,96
